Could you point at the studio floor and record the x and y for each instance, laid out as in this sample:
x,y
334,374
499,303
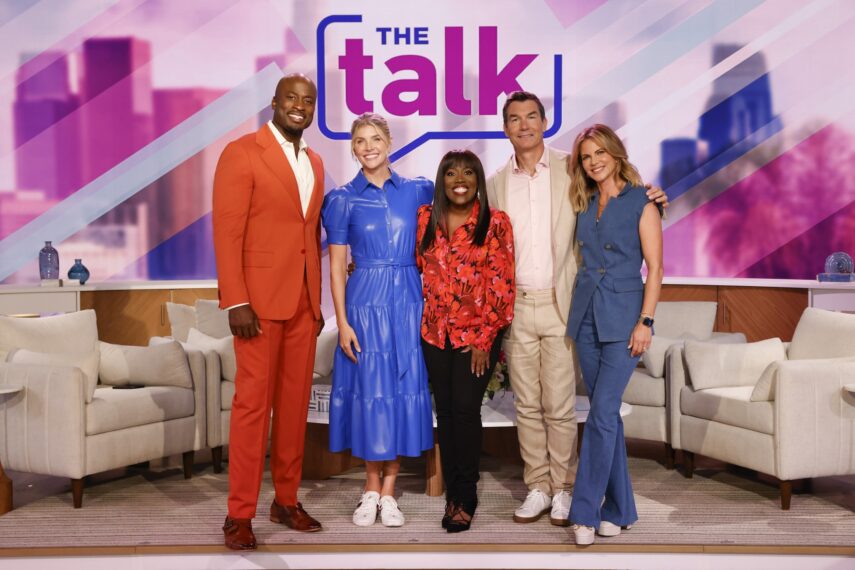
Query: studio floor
x,y
156,511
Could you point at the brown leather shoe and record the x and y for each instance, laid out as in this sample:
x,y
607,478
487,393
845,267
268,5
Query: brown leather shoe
x,y
239,535
293,516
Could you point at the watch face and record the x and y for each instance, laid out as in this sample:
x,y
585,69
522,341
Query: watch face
x,y
647,321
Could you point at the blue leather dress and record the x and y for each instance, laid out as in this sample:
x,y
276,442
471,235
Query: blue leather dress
x,y
380,407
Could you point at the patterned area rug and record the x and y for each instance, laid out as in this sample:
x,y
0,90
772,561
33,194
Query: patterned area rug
x,y
716,507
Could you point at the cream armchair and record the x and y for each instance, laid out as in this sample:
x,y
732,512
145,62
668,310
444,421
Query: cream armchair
x,y
74,416
787,411
647,391
204,327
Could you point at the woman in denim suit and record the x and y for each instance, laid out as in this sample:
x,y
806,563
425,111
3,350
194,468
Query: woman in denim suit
x,y
611,318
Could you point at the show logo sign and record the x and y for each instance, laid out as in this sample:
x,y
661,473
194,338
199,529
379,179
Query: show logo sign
x,y
424,74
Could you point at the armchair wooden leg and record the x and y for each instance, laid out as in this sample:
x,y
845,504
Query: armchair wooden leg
x,y
5,492
689,461
217,458
786,488
187,456
669,456
77,492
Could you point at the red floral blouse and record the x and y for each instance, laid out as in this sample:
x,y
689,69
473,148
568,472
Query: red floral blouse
x,y
469,290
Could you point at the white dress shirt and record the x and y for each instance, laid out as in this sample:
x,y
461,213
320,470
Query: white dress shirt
x,y
300,164
530,210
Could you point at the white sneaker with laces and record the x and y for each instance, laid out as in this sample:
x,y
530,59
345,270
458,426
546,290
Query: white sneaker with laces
x,y
366,511
536,504
390,514
584,534
610,529
560,509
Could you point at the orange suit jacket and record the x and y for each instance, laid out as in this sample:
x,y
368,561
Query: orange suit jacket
x,y
262,242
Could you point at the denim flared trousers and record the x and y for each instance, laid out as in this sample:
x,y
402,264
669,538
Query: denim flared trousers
x,y
603,490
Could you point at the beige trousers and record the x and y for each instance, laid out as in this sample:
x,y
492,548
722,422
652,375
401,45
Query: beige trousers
x,y
542,367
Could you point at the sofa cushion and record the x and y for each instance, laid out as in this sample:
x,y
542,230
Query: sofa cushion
x,y
764,390
181,319
212,320
224,347
731,406
227,393
71,333
325,352
644,389
688,319
823,334
157,365
113,409
87,362
713,365
654,357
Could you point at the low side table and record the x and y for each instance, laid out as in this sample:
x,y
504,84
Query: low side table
x,y
5,482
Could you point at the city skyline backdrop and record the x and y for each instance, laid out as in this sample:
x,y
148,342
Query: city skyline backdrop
x,y
747,126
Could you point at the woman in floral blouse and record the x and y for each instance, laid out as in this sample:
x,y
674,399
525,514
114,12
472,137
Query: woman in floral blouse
x,y
466,254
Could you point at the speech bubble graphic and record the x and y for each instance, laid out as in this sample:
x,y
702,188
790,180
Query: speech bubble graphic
x,y
492,82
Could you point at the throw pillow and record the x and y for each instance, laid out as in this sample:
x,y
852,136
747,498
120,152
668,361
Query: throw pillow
x,y
224,347
158,365
722,365
181,319
212,320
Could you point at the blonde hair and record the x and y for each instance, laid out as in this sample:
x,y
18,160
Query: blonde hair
x,y
371,120
582,187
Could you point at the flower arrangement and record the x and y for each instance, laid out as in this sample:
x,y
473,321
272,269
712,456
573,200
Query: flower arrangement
x,y
500,381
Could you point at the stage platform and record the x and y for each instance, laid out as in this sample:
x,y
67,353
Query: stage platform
x,y
720,514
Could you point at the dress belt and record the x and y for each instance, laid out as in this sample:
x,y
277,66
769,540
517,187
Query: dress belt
x,y
396,263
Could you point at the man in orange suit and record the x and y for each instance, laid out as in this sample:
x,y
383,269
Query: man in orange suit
x,y
268,190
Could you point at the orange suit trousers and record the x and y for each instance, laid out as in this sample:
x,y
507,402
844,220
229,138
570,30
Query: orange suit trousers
x,y
274,371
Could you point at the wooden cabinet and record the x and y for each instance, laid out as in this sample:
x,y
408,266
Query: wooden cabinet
x,y
760,312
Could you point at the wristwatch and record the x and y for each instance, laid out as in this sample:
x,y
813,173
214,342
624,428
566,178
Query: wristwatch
x,y
645,320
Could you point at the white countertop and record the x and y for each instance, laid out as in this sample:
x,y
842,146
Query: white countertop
x,y
212,284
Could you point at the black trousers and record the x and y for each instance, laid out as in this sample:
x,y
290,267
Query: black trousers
x,y
458,394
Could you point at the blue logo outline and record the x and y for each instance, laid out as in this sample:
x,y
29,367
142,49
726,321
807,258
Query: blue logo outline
x,y
429,135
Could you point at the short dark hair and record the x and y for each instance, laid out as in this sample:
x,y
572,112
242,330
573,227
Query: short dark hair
x,y
521,96
468,159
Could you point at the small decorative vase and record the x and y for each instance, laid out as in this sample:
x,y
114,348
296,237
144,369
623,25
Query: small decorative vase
x,y
48,262
78,271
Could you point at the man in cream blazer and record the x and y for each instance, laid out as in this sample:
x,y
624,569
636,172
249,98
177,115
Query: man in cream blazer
x,y
534,189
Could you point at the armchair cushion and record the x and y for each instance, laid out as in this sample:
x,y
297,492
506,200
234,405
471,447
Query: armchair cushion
x,y
181,319
212,320
325,351
764,390
112,410
224,347
71,333
823,334
157,365
644,389
654,357
87,362
688,319
731,406
713,365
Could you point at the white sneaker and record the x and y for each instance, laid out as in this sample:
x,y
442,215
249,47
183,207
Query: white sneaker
x,y
366,511
390,514
536,504
560,509
584,534
610,529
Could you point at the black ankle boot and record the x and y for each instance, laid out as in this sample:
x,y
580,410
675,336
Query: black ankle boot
x,y
461,520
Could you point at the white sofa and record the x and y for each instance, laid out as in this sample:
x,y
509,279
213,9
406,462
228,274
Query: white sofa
x,y
205,327
783,410
647,391
68,420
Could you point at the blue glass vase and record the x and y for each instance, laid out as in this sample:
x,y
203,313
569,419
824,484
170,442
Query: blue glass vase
x,y
78,271
48,262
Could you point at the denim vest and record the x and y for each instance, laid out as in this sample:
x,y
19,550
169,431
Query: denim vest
x,y
610,273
